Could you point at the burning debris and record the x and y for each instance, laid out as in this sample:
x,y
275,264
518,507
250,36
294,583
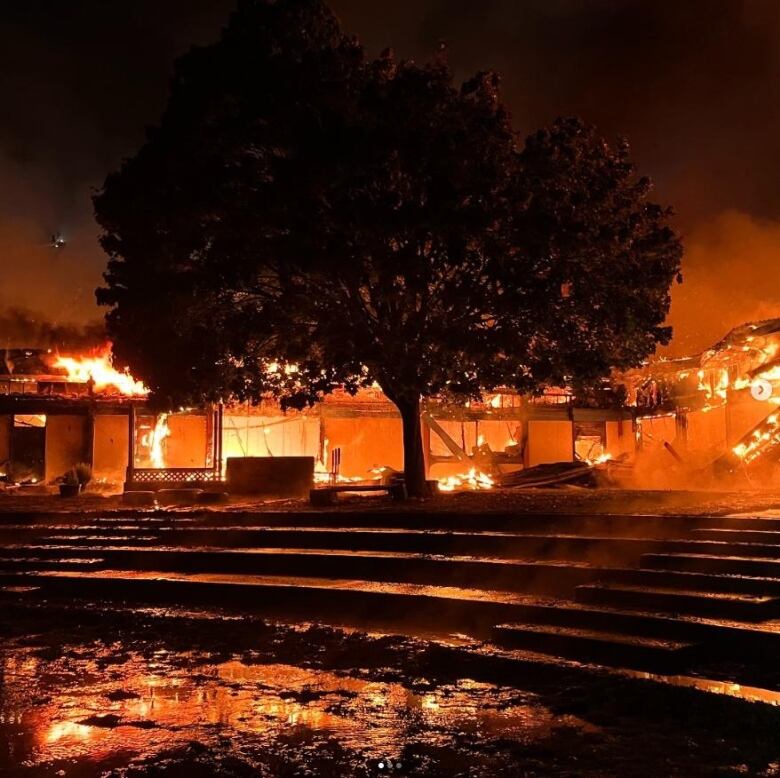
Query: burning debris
x,y
738,380
474,480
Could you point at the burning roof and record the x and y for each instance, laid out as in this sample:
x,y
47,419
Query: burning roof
x,y
94,369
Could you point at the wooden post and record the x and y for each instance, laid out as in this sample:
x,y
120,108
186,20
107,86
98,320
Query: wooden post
x,y
218,426
130,445
89,443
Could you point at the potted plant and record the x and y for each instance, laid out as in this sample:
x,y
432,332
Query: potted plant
x,y
83,474
69,484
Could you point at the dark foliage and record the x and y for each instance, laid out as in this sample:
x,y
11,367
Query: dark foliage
x,y
370,221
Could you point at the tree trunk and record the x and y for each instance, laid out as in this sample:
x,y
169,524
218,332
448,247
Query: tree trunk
x,y
414,459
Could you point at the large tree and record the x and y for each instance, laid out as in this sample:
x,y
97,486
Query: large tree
x,y
305,218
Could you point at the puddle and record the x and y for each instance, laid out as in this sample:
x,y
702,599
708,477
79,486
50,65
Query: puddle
x,y
101,707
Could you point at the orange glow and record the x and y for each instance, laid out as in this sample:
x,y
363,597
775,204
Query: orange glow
x,y
760,440
159,434
100,370
323,474
474,480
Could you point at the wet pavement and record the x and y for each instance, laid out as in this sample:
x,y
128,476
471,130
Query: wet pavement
x,y
140,707
117,692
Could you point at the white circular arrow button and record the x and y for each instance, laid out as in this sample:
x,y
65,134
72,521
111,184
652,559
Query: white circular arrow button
x,y
761,389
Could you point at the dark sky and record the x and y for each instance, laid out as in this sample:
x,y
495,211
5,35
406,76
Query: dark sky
x,y
693,84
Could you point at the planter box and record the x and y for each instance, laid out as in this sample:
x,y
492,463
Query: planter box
x,y
271,476
70,490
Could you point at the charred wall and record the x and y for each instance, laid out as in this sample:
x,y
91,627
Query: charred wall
x,y
67,444
109,448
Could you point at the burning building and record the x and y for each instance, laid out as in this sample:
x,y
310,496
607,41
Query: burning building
x,y
57,411
717,412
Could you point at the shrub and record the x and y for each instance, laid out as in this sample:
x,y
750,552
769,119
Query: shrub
x,y
83,472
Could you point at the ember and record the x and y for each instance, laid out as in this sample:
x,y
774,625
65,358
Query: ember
x,y
475,480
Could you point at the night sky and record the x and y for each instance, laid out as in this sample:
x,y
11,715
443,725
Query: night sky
x,y
694,85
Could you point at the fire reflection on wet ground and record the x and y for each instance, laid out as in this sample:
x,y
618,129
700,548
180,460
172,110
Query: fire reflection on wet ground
x,y
90,708
133,692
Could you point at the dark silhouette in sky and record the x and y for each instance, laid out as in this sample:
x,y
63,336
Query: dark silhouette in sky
x,y
693,85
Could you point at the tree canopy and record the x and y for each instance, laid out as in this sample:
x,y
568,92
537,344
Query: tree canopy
x,y
305,218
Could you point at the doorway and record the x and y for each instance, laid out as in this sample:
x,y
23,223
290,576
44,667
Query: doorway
x,y
28,448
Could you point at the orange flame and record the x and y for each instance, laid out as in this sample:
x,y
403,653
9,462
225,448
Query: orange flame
x,y
100,370
159,434
475,480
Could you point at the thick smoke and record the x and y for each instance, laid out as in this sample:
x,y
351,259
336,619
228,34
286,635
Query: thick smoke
x,y
691,84
732,270
22,328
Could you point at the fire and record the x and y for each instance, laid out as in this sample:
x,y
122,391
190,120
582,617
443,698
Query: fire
x,y
474,479
100,370
713,386
771,375
760,440
160,432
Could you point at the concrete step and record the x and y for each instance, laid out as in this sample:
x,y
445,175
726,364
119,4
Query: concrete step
x,y
604,550
720,637
625,525
96,541
540,577
37,563
16,593
739,523
345,601
363,602
596,646
596,548
734,535
757,567
746,607
599,550
700,581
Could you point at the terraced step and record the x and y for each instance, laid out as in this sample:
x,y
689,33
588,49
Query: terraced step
x,y
739,638
769,537
596,646
606,549
96,541
495,544
540,577
700,581
334,600
15,593
25,563
746,607
613,525
740,523
757,567
554,578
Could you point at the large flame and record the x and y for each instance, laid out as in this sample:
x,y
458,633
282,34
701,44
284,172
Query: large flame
x,y
159,434
100,370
